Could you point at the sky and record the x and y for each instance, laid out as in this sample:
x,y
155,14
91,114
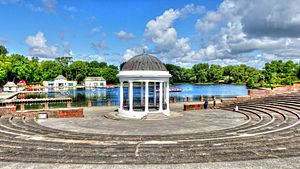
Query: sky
x,y
180,32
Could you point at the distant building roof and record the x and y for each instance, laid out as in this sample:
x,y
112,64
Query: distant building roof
x,y
60,77
144,62
10,84
94,79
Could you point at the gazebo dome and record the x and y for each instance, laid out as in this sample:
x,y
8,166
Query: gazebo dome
x,y
144,62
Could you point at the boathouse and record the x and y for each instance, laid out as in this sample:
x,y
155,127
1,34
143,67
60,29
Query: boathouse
x,y
10,87
60,82
147,87
94,82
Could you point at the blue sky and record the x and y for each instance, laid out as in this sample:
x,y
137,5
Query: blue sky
x,y
181,32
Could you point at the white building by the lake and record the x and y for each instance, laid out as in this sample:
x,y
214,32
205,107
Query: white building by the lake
x,y
10,87
94,82
60,82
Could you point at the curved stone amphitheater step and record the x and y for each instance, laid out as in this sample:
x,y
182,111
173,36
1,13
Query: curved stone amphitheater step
x,y
271,130
155,116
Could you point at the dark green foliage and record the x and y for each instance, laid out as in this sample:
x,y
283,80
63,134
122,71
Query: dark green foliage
x,y
215,73
3,50
17,67
275,73
201,72
121,65
175,72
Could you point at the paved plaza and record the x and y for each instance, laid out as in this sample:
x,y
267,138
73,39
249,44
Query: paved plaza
x,y
181,123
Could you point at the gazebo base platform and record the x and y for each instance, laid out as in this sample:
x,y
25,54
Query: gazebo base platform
x,y
140,114
149,116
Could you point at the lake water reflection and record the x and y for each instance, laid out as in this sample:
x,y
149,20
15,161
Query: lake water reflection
x,y
99,96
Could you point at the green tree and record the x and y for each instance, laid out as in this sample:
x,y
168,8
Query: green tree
x,y
110,75
187,75
64,60
175,71
121,65
279,72
3,50
79,70
50,69
20,67
5,67
95,64
201,72
215,73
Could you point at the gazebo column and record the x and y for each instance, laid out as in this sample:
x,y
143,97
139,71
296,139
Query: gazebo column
x,y
142,93
154,93
121,95
130,94
147,97
160,96
168,96
164,89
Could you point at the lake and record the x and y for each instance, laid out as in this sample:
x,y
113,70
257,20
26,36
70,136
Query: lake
x,y
100,96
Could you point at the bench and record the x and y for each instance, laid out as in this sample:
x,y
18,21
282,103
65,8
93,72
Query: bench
x,y
193,106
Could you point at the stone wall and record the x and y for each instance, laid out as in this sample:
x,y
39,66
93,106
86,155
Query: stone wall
x,y
51,113
65,113
8,110
259,93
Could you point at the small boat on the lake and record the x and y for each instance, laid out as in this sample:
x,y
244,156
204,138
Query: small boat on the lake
x,y
111,86
175,90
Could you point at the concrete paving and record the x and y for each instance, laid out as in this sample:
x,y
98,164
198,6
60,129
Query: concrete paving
x,y
183,123
284,163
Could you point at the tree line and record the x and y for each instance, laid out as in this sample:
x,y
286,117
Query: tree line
x,y
16,67
274,73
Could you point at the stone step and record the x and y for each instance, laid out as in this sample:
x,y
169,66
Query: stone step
x,y
155,116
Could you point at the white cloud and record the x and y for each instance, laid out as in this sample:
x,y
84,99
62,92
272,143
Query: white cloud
x,y
100,45
4,2
67,50
49,5
191,9
92,19
70,8
88,57
161,32
38,46
129,53
267,27
95,30
122,35
46,6
244,32
209,22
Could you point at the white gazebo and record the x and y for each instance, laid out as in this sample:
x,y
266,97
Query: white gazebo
x,y
148,87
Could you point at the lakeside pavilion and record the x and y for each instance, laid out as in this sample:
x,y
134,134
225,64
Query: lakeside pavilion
x,y
152,78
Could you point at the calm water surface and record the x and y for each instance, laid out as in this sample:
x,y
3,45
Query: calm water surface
x,y
99,96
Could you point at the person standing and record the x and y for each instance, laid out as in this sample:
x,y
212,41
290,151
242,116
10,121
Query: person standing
x,y
214,102
205,104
